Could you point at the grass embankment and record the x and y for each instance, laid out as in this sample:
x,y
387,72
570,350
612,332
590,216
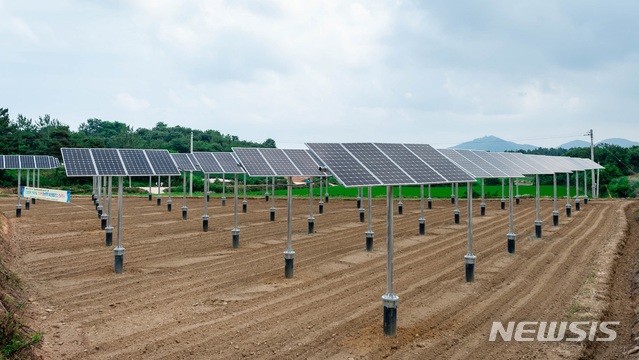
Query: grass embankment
x,y
16,337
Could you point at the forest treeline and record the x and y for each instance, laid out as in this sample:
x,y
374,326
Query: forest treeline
x,y
46,135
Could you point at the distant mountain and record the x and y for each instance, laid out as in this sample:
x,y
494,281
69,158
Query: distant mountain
x,y
575,144
493,143
617,141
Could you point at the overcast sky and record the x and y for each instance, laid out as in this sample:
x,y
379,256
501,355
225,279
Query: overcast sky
x,y
437,72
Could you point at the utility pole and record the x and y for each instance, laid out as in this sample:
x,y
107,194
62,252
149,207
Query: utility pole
x,y
594,184
191,178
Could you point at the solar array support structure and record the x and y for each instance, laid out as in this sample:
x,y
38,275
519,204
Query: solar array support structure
x,y
389,165
285,163
82,162
28,162
185,163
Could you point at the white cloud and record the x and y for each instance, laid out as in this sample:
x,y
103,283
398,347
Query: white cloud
x,y
128,102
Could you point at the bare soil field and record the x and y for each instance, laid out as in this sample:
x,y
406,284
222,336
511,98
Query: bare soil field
x,y
186,294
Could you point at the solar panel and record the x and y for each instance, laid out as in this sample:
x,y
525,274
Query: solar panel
x,y
135,162
228,163
197,165
253,162
183,162
278,161
78,162
12,161
526,167
56,162
539,162
304,161
161,162
42,162
346,168
2,162
508,171
479,161
469,166
27,162
208,163
450,171
107,162
378,164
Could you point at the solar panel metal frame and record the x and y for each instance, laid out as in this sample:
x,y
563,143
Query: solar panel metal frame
x,y
78,162
162,162
253,162
414,166
523,166
343,165
183,162
108,162
504,168
452,172
344,162
228,163
461,161
27,162
135,162
208,163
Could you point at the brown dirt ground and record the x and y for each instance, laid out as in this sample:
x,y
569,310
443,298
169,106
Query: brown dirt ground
x,y
187,294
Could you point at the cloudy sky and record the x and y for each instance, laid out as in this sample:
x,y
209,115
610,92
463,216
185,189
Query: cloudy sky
x,y
437,72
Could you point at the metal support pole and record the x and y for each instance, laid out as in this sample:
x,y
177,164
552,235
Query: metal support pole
x,y
109,227
568,206
503,200
266,193
577,190
244,203
430,199
511,236
517,195
585,188
185,209
469,258
205,216
159,199
456,198
169,202
555,212
452,194
311,219
483,203
150,189
93,190
369,232
537,209
236,231
103,216
33,200
98,203
390,300
422,220
191,185
289,254
19,205
362,212
326,194
400,203
597,188
118,252
26,199
273,199
321,202
223,190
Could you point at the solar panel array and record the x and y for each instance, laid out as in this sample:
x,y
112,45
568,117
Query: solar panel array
x,y
183,162
277,162
228,162
370,164
27,162
477,170
207,163
117,162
